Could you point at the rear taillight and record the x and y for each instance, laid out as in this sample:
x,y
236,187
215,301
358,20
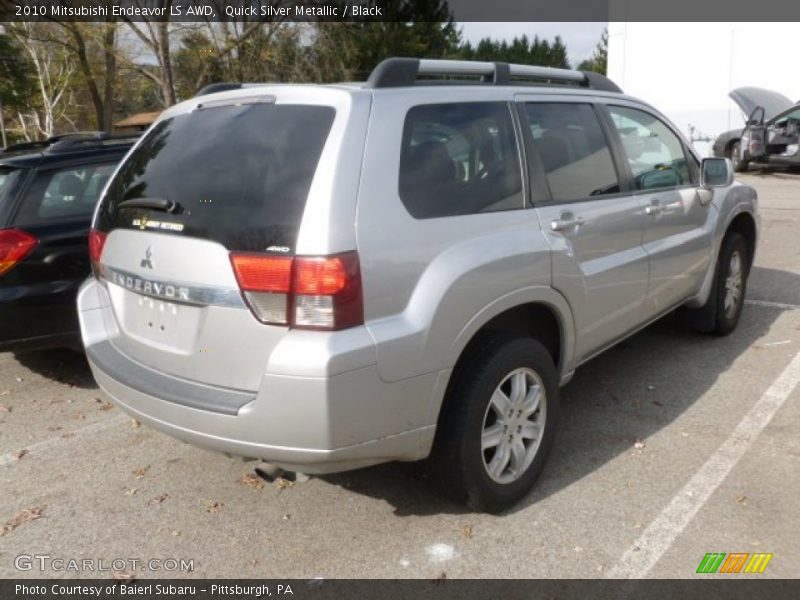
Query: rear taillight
x,y
97,239
303,292
15,245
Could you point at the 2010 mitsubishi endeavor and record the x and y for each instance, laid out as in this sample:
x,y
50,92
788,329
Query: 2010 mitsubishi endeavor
x,y
332,276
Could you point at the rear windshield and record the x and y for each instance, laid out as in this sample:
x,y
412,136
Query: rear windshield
x,y
240,174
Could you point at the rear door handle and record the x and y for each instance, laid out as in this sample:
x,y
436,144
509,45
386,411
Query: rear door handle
x,y
654,209
565,222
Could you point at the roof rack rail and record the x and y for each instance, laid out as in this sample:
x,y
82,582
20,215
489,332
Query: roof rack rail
x,y
66,142
402,72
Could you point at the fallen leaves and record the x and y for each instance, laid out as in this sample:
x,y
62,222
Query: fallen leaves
x,y
467,531
103,404
20,453
135,424
26,516
159,499
252,480
213,507
140,472
283,484
742,499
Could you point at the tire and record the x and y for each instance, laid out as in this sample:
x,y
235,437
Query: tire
x,y
739,164
721,313
470,417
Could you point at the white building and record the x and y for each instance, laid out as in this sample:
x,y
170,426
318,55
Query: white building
x,y
687,69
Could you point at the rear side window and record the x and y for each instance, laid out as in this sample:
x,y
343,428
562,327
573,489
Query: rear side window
x,y
68,193
9,178
459,159
573,150
655,154
239,173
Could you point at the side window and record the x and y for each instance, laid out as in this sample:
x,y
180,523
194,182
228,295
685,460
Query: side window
x,y
573,150
655,154
64,193
459,159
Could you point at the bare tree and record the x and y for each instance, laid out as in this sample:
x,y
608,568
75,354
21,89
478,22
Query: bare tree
x,y
95,48
53,69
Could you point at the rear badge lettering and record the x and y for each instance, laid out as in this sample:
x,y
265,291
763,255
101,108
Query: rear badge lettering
x,y
150,288
146,223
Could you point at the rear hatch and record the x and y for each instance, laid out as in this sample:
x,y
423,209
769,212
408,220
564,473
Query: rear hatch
x,y
231,175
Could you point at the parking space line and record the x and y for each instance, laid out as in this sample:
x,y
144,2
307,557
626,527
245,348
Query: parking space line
x,y
651,545
33,449
768,304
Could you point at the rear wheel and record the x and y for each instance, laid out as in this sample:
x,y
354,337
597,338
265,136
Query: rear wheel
x,y
498,423
739,164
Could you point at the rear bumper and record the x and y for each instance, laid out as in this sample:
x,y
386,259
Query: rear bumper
x,y
302,423
39,316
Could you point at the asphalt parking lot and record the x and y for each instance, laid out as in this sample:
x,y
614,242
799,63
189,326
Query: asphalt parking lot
x,y
671,446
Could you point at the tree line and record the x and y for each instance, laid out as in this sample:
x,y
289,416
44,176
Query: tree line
x,y
66,76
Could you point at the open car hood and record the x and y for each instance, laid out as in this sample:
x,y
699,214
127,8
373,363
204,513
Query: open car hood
x,y
749,98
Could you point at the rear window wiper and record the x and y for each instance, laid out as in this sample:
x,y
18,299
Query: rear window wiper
x,y
161,204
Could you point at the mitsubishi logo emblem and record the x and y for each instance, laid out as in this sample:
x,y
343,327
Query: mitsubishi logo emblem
x,y
146,262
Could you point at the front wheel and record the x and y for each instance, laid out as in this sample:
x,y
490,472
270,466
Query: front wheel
x,y
498,422
721,313
739,164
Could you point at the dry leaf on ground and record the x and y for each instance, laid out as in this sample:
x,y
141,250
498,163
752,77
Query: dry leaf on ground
x,y
140,472
159,499
213,507
283,484
27,515
252,480
20,453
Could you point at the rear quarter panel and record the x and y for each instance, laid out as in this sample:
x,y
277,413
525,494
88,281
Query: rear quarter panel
x,y
430,284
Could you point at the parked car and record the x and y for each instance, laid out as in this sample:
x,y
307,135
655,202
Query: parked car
x,y
48,191
331,276
771,134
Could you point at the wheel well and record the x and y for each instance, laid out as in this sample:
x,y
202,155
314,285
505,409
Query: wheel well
x,y
536,320
729,146
744,225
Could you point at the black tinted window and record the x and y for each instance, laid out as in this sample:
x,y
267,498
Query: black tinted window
x,y
654,153
459,159
573,150
9,179
69,193
240,173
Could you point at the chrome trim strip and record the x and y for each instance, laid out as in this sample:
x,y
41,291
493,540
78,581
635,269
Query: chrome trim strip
x,y
173,291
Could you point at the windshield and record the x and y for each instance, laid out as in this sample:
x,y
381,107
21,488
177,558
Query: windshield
x,y
235,174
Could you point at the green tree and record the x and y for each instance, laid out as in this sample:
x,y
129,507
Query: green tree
x,y
599,60
418,28
16,84
522,50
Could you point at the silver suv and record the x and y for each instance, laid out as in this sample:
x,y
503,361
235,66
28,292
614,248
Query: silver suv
x,y
332,276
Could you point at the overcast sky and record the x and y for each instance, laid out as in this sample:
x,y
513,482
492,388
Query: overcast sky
x,y
580,38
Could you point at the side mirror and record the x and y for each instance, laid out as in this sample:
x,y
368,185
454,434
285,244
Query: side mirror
x,y
716,172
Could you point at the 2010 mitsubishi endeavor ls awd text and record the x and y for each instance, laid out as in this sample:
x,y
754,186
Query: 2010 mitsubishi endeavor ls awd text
x,y
332,276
